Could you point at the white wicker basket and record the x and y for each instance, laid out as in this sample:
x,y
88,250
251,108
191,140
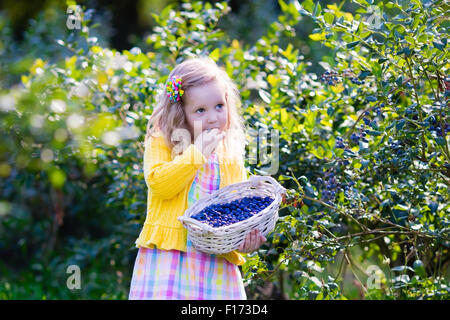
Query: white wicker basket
x,y
225,239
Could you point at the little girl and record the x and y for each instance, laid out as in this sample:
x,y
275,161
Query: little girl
x,y
195,145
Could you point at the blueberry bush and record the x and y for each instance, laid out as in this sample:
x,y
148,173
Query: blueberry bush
x,y
362,150
376,126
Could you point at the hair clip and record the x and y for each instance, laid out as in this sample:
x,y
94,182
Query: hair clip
x,y
173,88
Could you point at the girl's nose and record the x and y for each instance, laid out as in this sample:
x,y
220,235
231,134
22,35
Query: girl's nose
x,y
212,119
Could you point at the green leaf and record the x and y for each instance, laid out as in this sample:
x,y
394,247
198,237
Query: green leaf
x,y
376,69
438,45
318,152
352,44
265,96
330,111
374,132
165,12
400,124
364,74
399,81
402,268
215,54
440,141
365,163
283,177
317,36
308,5
328,17
283,5
284,116
349,153
304,208
419,268
317,9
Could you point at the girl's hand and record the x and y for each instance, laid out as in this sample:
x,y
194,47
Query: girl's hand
x,y
252,242
208,140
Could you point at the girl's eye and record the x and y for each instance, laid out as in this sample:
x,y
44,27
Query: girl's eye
x,y
221,107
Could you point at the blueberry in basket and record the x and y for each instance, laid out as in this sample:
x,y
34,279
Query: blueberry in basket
x,y
218,215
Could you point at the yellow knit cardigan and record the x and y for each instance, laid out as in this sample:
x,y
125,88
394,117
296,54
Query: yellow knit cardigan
x,y
168,181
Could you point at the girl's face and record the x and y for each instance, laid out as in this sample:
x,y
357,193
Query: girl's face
x,y
205,108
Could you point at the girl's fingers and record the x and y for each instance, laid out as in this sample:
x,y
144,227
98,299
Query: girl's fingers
x,y
260,239
256,239
248,242
263,239
255,243
252,242
219,137
243,246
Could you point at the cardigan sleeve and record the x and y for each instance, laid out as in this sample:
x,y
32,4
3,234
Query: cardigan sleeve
x,y
164,176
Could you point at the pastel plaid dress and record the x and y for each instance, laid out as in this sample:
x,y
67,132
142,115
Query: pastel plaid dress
x,y
193,275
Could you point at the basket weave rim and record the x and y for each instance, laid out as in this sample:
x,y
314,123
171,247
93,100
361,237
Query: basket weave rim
x,y
203,203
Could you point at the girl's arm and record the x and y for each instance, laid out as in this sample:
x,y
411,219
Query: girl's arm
x,y
164,176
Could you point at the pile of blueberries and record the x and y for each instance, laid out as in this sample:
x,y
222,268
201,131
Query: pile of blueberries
x,y
218,215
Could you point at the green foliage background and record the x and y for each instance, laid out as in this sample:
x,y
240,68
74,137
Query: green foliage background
x,y
366,164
